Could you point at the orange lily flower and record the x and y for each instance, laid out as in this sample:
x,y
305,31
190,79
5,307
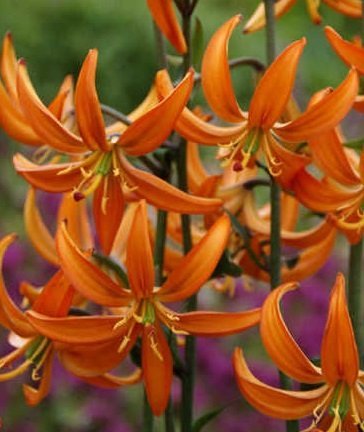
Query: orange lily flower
x,y
352,54
101,166
337,400
351,8
38,352
239,200
13,119
165,18
259,130
112,336
340,193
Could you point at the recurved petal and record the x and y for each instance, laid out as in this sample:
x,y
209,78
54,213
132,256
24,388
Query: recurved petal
x,y
257,20
350,53
34,395
78,224
82,330
196,267
164,196
149,131
351,8
321,195
283,404
210,323
157,365
14,123
37,231
339,352
139,256
111,381
313,10
313,257
108,209
279,343
329,155
58,106
17,320
50,177
165,17
324,115
274,89
56,297
9,66
45,124
215,74
85,276
96,359
191,126
88,112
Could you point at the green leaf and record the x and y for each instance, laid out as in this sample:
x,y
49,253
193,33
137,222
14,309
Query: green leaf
x,y
197,43
207,418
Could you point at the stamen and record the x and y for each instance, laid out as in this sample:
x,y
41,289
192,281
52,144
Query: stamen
x,y
179,331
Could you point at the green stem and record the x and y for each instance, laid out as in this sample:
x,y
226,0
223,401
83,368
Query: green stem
x,y
148,418
275,253
355,282
275,235
169,418
270,31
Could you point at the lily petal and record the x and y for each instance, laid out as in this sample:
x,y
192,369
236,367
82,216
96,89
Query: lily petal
x,y
351,54
33,396
85,276
111,381
148,132
274,89
37,231
44,123
82,330
196,267
139,256
215,74
50,177
339,352
108,210
274,402
164,196
14,123
329,156
165,17
95,359
324,115
210,323
279,343
17,319
257,20
191,126
9,66
157,365
88,112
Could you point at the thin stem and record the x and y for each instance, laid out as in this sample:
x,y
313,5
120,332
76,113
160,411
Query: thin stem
x,y
252,62
117,115
275,236
160,241
270,30
275,241
169,418
148,418
355,292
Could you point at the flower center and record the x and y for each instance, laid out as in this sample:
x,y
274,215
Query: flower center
x,y
238,153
